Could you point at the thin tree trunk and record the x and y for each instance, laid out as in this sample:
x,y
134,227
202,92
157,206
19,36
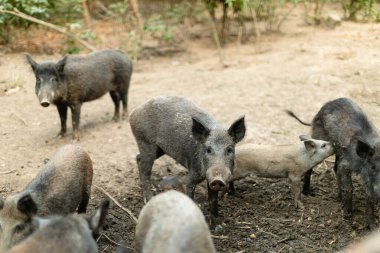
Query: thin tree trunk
x,y
136,13
86,14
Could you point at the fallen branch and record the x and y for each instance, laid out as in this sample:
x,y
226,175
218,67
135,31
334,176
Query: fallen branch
x,y
219,237
117,203
7,172
115,243
52,26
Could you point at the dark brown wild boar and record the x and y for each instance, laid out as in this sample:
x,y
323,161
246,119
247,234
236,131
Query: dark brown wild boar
x,y
356,142
75,80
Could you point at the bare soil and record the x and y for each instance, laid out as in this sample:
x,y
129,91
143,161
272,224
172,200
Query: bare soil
x,y
300,69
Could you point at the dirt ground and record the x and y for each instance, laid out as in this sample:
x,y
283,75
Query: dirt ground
x,y
300,69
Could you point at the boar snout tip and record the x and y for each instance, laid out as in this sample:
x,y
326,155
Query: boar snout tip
x,y
45,102
217,185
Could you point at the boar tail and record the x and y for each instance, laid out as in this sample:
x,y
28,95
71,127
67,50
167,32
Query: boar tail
x,y
291,114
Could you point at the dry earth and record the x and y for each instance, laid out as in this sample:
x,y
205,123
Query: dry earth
x,y
300,70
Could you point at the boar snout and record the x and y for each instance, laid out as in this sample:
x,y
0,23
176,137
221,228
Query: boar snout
x,y
218,178
45,102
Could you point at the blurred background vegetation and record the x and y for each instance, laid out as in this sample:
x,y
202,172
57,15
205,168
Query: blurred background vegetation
x,y
155,26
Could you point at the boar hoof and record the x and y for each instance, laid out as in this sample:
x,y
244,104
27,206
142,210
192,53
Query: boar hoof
x,y
75,137
115,118
372,226
61,134
299,205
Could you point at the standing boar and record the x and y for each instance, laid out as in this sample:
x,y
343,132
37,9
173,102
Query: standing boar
x,y
62,186
172,222
58,234
281,161
178,128
357,149
74,80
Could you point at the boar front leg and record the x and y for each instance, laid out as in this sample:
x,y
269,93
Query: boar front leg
x,y
213,205
75,116
296,189
62,110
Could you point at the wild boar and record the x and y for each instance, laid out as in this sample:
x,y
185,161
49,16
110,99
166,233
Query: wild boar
x,y
356,142
178,128
281,161
172,222
74,80
60,234
62,186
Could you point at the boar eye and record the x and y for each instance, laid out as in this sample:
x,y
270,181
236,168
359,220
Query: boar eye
x,y
19,228
323,145
229,150
38,79
209,150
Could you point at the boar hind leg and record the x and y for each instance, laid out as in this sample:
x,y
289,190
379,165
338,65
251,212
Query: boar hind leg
x,y
337,160
82,208
124,100
371,220
116,100
345,186
148,154
62,110
75,116
296,189
231,188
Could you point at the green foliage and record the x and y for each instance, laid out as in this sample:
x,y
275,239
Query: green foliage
x,y
157,28
36,8
367,9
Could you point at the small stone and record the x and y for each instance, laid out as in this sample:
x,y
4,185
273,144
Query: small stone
x,y
252,236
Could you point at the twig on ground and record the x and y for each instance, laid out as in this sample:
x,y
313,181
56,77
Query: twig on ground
x,y
117,203
19,118
7,172
285,239
52,26
219,237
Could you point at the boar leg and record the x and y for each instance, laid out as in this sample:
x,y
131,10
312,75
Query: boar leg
x,y
231,188
148,154
62,110
345,186
82,208
306,182
124,100
75,116
370,206
296,189
337,159
116,100
213,205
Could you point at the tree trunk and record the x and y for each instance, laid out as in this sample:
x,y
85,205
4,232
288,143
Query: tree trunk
x,y
136,13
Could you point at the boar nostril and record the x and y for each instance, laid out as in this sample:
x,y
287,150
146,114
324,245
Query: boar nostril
x,y
45,103
217,185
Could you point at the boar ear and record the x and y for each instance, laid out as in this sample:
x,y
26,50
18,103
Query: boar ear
x,y
32,63
304,137
364,150
96,221
200,132
309,145
60,66
237,130
27,205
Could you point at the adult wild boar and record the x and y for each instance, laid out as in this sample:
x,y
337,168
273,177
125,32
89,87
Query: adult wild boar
x,y
74,80
64,234
62,186
178,128
281,161
356,142
172,222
